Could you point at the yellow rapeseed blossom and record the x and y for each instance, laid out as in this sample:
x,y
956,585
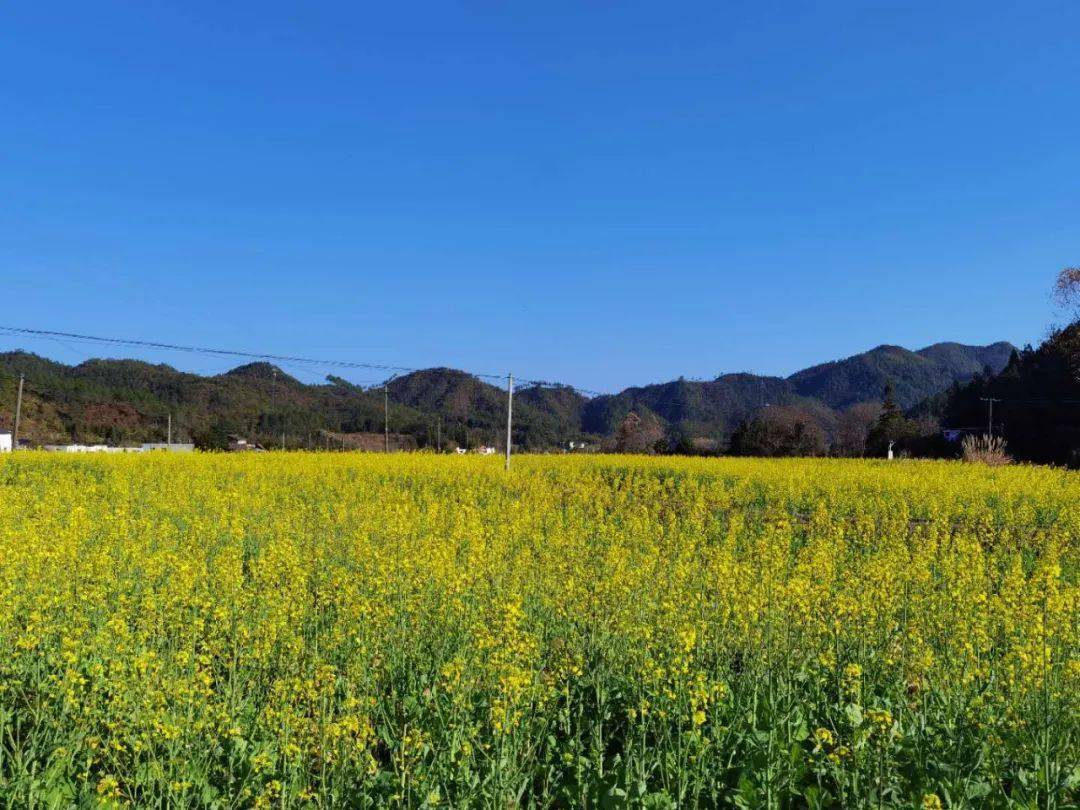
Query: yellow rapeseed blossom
x,y
300,629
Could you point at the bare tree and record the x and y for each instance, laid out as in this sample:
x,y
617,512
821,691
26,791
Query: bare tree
x,y
854,428
1067,289
1067,339
638,434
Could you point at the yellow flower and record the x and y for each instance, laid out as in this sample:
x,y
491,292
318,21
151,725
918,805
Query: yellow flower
x,y
109,787
404,622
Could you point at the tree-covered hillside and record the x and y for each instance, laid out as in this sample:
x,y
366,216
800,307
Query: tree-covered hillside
x,y
1036,401
914,375
130,401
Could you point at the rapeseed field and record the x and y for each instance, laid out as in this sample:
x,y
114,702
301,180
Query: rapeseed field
x,y
332,630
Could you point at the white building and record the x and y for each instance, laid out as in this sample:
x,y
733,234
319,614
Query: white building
x,y
5,442
175,447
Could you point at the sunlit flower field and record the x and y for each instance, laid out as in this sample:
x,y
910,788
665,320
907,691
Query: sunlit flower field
x,y
327,630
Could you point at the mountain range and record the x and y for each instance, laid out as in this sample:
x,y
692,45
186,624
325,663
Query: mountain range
x,y
123,401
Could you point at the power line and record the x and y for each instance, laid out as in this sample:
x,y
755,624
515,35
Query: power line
x,y
277,358
1038,401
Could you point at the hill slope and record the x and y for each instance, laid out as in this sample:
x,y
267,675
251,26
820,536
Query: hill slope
x,y
915,375
712,408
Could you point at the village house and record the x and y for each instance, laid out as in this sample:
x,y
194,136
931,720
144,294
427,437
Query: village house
x,y
238,444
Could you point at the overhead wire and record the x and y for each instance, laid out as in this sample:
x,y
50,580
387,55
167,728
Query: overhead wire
x,y
264,356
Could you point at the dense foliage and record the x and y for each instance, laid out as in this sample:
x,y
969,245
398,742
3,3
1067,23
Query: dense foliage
x,y
323,630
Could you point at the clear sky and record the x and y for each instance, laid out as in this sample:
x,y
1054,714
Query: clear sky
x,y
595,192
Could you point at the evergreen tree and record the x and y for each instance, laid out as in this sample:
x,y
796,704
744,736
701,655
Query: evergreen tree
x,y
892,426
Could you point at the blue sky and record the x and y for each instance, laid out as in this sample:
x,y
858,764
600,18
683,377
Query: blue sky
x,y
600,193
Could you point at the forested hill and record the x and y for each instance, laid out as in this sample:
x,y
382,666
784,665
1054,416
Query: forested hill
x,y
914,375
122,401
716,407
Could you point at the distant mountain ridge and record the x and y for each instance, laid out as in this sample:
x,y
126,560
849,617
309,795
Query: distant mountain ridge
x,y
130,400
716,407
914,375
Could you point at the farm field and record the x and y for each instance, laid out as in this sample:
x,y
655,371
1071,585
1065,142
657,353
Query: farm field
x,y
324,630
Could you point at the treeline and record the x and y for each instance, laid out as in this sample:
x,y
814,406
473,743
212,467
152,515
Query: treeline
x,y
863,429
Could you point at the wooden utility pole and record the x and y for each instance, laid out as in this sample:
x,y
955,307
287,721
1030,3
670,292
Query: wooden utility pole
x,y
386,413
18,415
990,420
509,415
168,431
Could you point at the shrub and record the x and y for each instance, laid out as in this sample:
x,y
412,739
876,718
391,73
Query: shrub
x,y
986,450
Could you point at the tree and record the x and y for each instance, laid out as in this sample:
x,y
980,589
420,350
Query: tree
x,y
889,408
892,427
637,434
1067,290
780,431
853,429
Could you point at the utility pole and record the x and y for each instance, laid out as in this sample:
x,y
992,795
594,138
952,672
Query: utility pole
x,y
18,415
509,415
438,434
168,431
990,421
273,403
386,413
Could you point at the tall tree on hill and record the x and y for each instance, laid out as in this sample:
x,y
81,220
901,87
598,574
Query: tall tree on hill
x,y
889,408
